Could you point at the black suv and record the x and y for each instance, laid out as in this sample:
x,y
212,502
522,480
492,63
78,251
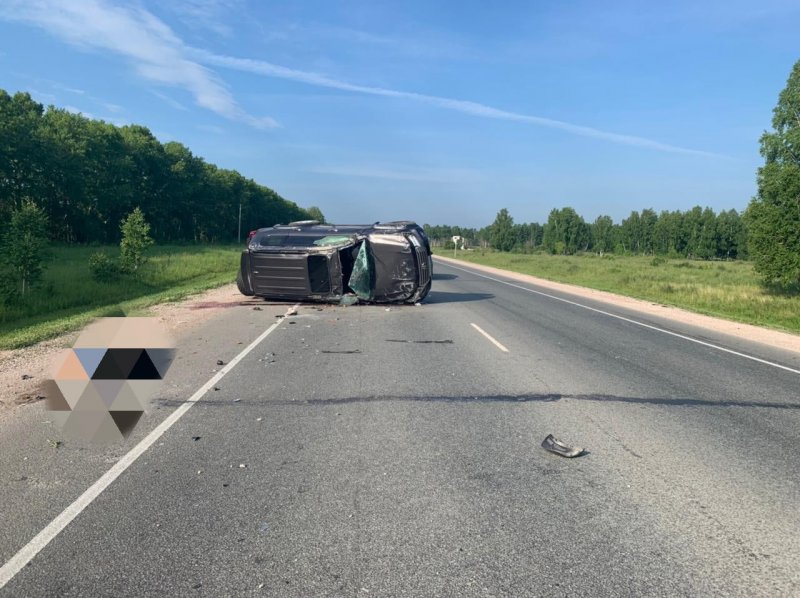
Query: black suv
x,y
381,263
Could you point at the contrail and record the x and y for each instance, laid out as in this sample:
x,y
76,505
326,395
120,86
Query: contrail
x,y
268,69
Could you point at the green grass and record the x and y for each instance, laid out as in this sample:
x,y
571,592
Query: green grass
x,y
68,298
728,290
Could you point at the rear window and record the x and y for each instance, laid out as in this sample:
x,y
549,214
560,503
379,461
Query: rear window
x,y
291,240
272,240
303,240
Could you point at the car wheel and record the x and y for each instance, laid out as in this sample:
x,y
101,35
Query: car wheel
x,y
242,288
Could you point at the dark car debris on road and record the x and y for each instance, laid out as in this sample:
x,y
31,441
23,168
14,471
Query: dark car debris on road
x,y
554,445
375,263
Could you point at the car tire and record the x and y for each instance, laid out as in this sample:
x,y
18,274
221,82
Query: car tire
x,y
240,284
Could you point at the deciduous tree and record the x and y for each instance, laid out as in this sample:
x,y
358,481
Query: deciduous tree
x,y
24,247
773,216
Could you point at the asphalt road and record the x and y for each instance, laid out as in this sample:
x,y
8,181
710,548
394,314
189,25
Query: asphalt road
x,y
374,467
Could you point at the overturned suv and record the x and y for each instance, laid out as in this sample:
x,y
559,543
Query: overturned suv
x,y
381,263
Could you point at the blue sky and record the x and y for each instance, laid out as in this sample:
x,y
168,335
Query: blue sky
x,y
441,112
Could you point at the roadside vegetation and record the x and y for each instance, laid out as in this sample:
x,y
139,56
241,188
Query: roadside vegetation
x,y
730,290
99,220
743,267
68,297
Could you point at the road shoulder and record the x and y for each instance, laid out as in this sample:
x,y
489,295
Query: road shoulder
x,y
23,371
765,336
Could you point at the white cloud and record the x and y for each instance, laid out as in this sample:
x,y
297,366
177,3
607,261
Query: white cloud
x,y
75,110
169,101
74,90
42,97
267,69
211,129
400,173
206,14
152,48
110,107
429,46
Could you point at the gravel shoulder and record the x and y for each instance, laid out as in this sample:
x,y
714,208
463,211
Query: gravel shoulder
x,y
22,371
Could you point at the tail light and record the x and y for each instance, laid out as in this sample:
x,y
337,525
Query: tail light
x,y
250,236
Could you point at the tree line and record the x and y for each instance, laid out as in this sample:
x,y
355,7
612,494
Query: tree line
x,y
696,233
86,175
768,232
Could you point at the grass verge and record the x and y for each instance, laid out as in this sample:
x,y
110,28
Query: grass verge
x,y
729,290
69,298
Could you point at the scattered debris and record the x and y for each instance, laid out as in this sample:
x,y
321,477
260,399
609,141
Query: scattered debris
x,y
279,316
292,312
196,438
292,322
344,352
256,308
348,300
242,465
264,527
26,377
54,443
26,399
441,342
261,585
225,485
199,471
559,448
236,400
418,304
258,419
220,362
388,309
216,388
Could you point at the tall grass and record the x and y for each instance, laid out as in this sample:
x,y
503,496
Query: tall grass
x,y
728,290
68,296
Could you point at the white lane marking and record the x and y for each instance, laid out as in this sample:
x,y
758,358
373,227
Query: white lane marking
x,y
44,537
490,337
629,320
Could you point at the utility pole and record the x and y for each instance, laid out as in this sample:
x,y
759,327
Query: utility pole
x,y
239,235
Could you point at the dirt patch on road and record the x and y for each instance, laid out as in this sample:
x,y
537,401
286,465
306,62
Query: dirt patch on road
x,y
765,336
24,371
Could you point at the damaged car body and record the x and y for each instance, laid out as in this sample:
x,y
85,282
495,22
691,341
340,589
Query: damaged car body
x,y
376,263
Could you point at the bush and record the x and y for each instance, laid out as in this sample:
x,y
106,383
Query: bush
x,y
135,241
103,268
9,294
